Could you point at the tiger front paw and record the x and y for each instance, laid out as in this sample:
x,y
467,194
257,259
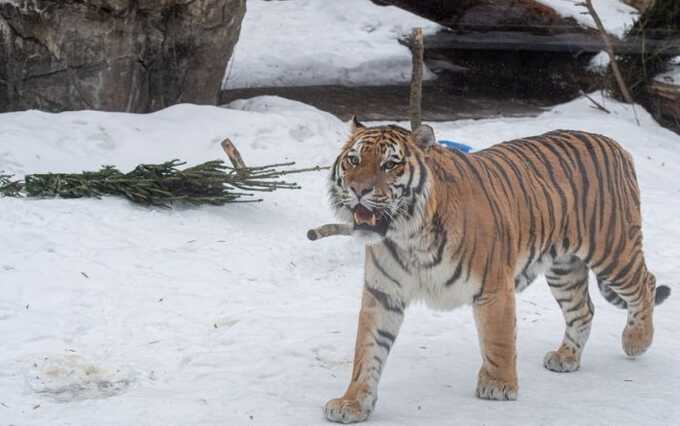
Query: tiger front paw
x,y
495,389
343,410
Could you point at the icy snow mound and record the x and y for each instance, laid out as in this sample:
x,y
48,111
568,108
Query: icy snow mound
x,y
319,42
39,142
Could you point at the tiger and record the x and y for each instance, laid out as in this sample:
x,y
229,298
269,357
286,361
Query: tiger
x,y
454,229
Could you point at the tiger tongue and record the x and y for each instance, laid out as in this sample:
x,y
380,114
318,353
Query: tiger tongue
x,y
363,216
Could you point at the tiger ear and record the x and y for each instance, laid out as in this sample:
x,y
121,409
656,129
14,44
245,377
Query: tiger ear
x,y
424,137
355,124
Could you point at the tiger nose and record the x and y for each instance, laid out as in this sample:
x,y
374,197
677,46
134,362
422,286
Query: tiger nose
x,y
361,191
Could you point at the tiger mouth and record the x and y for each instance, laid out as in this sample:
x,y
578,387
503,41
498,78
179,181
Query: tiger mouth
x,y
370,220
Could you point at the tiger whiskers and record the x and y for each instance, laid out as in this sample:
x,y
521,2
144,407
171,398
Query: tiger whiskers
x,y
340,201
373,205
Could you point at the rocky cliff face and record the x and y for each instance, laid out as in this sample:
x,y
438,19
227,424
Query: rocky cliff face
x,y
117,55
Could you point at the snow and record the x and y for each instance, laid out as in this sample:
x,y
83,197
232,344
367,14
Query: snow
x,y
317,42
599,63
617,17
117,314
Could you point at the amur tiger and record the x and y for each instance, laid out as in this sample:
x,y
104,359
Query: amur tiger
x,y
475,228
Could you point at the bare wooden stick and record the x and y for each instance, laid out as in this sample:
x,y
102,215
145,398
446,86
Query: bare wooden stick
x,y
596,103
612,57
313,234
415,114
329,230
416,94
233,154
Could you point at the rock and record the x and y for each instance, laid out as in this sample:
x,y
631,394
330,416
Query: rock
x,y
115,55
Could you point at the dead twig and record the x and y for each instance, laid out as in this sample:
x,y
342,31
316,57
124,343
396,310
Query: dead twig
x,y
596,103
612,57
241,168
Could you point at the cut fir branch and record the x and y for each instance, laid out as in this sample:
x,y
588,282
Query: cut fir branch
x,y
162,184
9,187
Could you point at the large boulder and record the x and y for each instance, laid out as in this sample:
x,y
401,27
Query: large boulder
x,y
116,55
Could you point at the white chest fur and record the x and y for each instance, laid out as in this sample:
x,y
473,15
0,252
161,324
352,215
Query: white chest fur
x,y
416,270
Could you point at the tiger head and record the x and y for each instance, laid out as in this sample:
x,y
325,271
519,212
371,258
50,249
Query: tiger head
x,y
380,181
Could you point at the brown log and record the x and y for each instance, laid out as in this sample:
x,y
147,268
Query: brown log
x,y
665,99
489,15
588,41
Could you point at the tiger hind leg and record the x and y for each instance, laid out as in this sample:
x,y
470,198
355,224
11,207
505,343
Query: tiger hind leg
x,y
568,281
639,331
660,294
635,290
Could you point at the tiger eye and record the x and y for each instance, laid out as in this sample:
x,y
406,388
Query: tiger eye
x,y
389,165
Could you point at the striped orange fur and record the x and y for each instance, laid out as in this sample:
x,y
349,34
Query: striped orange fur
x,y
454,229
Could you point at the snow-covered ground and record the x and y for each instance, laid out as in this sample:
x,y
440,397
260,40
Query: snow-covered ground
x,y
316,42
617,17
115,314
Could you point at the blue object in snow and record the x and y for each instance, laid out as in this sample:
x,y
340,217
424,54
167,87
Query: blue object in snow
x,y
456,145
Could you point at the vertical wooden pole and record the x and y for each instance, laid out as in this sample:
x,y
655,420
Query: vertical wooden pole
x,y
415,107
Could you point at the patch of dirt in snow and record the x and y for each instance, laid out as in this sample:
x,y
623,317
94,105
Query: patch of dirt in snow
x,y
66,378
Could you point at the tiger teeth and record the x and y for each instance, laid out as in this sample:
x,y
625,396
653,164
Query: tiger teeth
x,y
371,220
